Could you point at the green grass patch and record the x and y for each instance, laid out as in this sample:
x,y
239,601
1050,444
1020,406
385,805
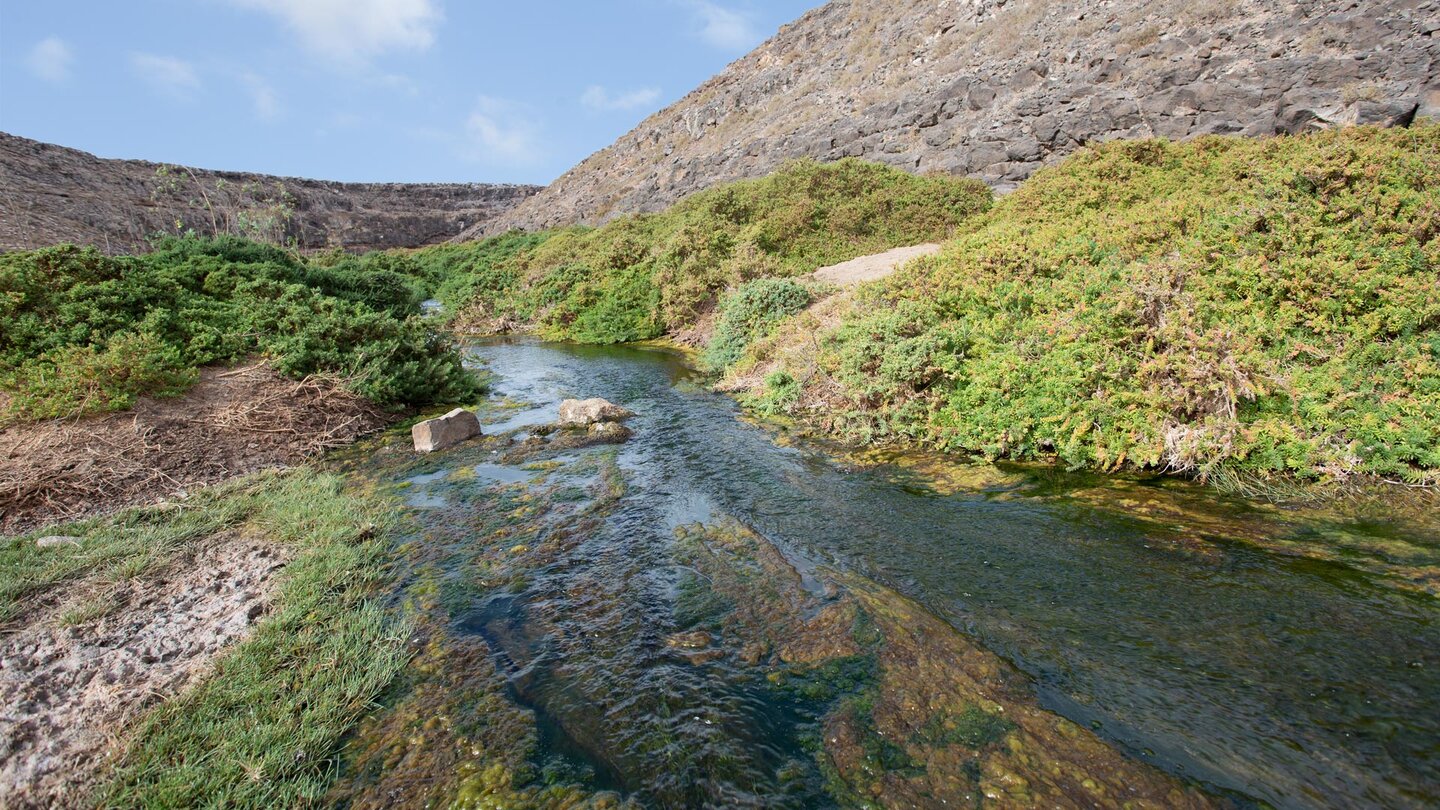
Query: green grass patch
x,y
264,730
117,548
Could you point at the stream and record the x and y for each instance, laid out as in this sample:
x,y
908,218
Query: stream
x,y
666,640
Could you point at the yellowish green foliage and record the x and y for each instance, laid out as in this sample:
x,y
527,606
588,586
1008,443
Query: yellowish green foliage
x,y
641,276
1270,305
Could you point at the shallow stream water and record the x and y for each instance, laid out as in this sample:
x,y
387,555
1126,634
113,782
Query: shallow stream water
x,y
1142,610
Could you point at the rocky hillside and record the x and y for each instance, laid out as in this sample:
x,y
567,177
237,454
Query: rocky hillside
x,y
51,194
998,88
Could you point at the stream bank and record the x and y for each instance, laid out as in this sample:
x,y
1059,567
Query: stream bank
x,y
714,613
644,603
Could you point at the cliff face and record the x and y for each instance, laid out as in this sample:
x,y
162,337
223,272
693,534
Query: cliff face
x,y
998,88
51,194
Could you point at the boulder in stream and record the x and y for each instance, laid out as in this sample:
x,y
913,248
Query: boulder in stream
x,y
582,412
608,433
445,431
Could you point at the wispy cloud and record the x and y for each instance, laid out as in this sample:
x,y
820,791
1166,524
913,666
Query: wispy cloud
x,y
498,132
50,59
262,97
168,75
597,97
350,32
723,27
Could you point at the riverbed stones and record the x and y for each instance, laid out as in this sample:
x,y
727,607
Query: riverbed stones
x,y
608,433
445,431
582,412
690,640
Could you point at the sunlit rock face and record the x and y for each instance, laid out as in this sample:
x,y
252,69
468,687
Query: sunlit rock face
x,y
997,89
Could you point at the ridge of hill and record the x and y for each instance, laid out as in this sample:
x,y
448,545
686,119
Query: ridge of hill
x,y
51,194
998,88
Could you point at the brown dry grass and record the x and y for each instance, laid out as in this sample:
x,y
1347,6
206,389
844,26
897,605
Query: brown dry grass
x,y
230,423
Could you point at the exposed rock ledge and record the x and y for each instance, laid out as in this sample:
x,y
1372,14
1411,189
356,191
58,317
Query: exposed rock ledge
x,y
995,89
51,194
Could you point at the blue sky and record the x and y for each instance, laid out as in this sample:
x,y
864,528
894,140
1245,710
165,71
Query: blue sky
x,y
403,90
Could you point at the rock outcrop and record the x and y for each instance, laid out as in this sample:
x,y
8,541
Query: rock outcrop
x,y
51,194
445,431
998,88
582,412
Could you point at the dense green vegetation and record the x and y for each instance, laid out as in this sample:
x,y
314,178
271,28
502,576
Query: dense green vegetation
x,y
1221,305
85,332
1226,304
646,275
750,313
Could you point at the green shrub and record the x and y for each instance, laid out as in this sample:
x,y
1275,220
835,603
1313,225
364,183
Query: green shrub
x,y
82,380
381,290
87,332
484,273
1265,305
750,313
641,276
780,393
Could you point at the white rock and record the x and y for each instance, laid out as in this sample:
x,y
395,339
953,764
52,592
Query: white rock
x,y
578,412
445,431
53,540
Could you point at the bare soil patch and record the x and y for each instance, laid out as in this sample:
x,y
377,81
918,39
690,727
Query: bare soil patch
x,y
68,688
230,423
870,268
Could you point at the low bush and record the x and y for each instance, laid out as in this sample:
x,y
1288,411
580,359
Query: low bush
x,y
85,332
645,275
750,313
1265,305
84,379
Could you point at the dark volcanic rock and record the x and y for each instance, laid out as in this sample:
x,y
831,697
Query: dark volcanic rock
x,y
51,194
998,88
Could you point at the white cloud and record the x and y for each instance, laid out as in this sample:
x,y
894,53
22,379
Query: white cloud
x,y
598,98
50,59
498,132
262,97
725,28
166,74
349,32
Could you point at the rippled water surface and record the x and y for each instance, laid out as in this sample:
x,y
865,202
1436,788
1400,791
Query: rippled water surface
x,y
1135,607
